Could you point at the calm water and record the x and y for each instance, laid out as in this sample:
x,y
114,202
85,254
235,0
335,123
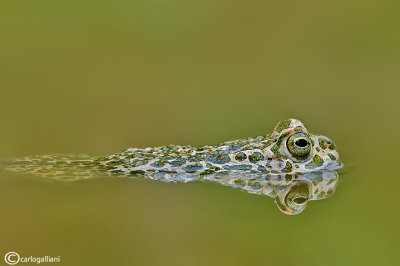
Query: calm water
x,y
99,77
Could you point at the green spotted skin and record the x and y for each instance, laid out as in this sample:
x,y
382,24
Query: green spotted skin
x,y
262,154
268,154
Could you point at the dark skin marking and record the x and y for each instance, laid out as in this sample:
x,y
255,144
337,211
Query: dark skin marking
x,y
333,157
256,157
316,162
287,168
326,143
159,163
241,156
284,124
254,185
240,182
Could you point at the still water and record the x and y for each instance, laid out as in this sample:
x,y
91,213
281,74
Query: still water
x,y
98,77
101,220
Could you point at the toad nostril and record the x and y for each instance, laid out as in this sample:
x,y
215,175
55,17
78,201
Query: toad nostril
x,y
301,142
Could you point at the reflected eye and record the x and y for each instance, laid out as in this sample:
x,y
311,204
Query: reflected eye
x,y
298,196
299,145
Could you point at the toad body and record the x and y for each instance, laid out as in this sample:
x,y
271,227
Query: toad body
x,y
290,148
290,165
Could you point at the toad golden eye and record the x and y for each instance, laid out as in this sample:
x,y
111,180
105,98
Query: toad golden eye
x,y
298,196
299,145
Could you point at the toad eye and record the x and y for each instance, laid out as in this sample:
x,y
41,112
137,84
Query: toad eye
x,y
298,196
299,145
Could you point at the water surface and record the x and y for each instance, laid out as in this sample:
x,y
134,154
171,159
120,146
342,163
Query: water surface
x,y
99,77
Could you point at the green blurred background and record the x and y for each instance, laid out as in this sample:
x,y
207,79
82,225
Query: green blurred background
x,y
97,77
